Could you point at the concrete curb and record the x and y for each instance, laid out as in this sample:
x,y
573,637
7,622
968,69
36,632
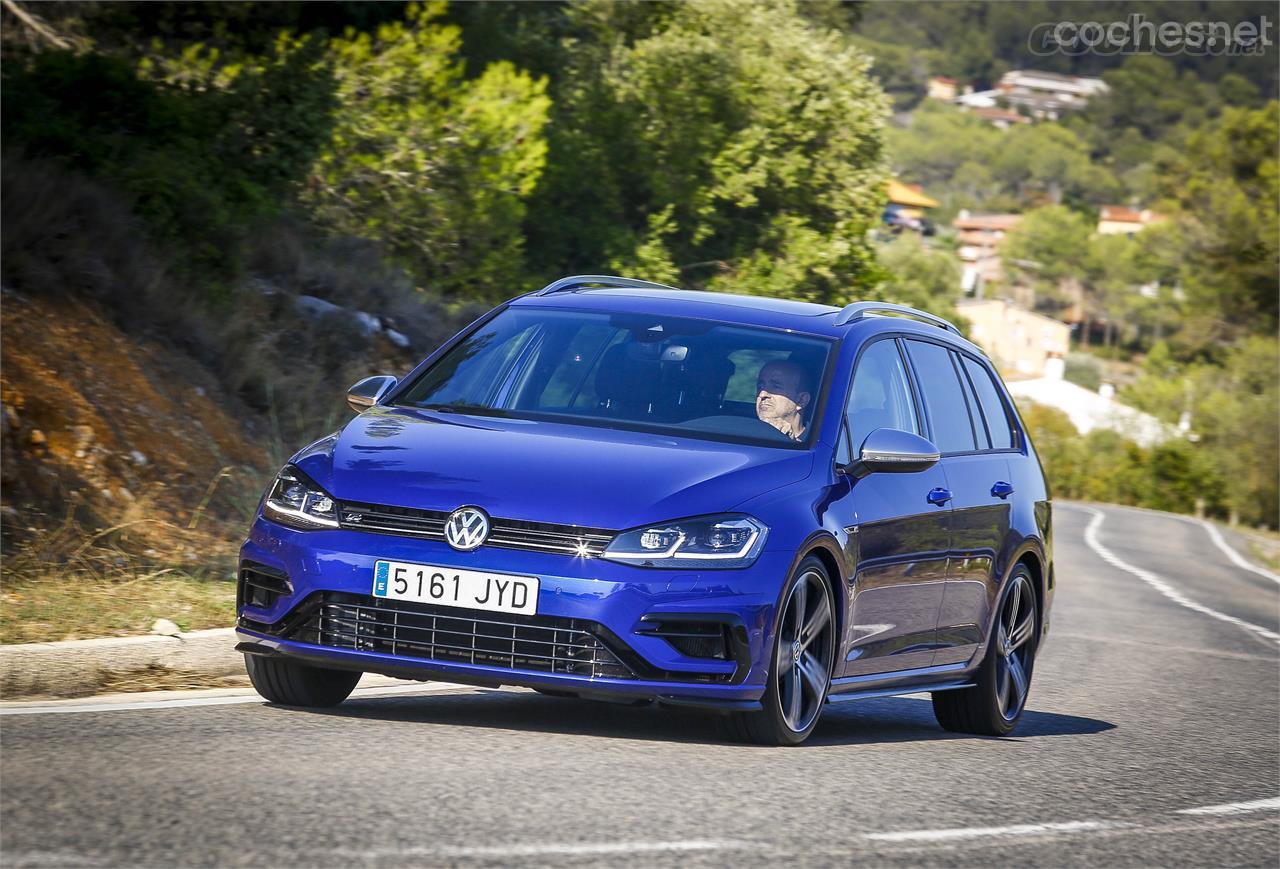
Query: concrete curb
x,y
80,667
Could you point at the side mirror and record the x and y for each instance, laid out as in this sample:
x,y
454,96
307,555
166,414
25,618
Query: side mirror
x,y
369,392
888,450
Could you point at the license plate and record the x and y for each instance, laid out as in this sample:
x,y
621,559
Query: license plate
x,y
449,586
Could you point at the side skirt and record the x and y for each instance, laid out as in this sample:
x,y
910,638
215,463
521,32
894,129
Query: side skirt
x,y
896,692
945,677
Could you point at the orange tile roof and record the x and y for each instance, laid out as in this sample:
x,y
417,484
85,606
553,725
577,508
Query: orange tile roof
x,y
902,194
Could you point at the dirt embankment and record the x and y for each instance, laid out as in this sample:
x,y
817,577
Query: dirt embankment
x,y
107,428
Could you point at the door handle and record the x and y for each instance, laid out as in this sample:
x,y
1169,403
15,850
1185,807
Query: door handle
x,y
939,496
1002,489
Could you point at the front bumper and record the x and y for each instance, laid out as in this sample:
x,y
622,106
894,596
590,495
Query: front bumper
x,y
622,602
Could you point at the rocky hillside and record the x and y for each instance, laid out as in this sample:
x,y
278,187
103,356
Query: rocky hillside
x,y
102,428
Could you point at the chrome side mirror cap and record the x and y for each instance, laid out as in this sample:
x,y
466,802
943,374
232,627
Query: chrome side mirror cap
x,y
888,450
370,391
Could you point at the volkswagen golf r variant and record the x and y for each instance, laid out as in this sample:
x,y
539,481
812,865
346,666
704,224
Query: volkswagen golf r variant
x,y
615,490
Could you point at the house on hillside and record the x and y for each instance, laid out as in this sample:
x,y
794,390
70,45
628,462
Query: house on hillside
x,y
1047,95
1118,220
980,236
1089,410
907,207
942,88
1017,340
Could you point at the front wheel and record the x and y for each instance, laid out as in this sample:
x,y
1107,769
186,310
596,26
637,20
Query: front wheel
x,y
289,683
802,652
994,705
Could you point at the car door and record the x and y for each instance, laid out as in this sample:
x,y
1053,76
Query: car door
x,y
898,538
978,475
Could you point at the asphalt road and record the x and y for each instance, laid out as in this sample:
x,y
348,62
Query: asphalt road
x,y
1158,693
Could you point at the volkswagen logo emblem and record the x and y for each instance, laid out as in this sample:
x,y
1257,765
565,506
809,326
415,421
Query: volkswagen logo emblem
x,y
466,528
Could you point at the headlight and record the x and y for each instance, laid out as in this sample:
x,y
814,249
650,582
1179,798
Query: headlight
x,y
296,501
727,540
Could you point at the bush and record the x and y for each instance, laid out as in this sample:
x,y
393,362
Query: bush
x,y
1083,369
1104,466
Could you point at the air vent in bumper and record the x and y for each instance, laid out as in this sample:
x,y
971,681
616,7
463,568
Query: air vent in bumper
x,y
260,586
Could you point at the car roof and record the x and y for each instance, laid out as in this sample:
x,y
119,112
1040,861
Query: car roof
x,y
797,316
729,307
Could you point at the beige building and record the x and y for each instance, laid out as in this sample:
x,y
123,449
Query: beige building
x,y
1118,220
942,88
980,236
1019,342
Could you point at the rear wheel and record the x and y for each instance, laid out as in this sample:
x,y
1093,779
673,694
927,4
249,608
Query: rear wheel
x,y
802,652
292,684
994,705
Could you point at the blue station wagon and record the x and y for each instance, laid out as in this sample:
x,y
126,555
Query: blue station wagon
x,y
611,489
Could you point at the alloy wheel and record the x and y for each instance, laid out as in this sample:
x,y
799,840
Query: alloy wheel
x,y
1014,648
806,643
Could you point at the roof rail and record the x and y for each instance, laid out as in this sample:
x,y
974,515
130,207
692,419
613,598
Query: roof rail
x,y
578,282
861,310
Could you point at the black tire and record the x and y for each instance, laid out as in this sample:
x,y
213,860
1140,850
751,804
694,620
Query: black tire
x,y
989,707
292,684
773,725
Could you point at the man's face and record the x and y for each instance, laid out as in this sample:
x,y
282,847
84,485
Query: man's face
x,y
778,395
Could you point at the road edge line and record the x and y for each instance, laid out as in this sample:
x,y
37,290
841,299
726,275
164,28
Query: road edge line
x,y
1236,558
1159,584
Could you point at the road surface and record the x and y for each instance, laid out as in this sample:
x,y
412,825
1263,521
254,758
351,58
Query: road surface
x,y
1151,738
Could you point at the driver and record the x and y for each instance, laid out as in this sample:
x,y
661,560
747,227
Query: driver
x,y
782,393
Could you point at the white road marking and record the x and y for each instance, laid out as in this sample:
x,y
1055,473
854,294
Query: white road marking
x,y
963,833
1212,530
564,849
1159,584
55,707
1236,558
1234,808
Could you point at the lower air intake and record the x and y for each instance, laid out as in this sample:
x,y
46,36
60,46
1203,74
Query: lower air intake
x,y
541,643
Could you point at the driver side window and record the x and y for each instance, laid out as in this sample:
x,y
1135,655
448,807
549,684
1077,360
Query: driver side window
x,y
881,394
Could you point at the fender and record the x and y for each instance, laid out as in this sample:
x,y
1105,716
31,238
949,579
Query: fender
x,y
823,540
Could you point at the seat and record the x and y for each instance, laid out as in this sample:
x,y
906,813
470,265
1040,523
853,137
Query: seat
x,y
628,378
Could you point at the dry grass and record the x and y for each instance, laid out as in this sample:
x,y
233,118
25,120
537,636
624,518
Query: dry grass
x,y
66,582
72,605
164,679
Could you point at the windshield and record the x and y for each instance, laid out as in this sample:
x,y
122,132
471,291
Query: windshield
x,y
683,377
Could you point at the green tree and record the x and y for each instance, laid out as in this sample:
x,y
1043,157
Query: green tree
x,y
434,166
1048,252
1223,192
923,277
736,142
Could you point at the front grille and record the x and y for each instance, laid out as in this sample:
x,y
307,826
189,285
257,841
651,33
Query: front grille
x,y
507,533
544,643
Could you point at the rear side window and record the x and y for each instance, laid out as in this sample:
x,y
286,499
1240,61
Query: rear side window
x,y
992,406
943,397
881,394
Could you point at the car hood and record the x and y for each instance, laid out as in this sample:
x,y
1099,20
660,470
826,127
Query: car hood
x,y
541,471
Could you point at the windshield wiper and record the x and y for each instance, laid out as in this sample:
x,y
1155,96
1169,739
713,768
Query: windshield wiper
x,y
473,409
